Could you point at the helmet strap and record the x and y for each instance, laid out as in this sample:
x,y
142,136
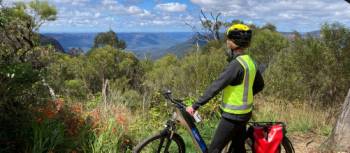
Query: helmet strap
x,y
229,54
238,50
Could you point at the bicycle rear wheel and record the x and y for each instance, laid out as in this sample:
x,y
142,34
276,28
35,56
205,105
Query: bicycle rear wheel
x,y
286,146
161,143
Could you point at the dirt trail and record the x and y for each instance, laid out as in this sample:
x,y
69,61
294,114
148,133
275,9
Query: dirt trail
x,y
306,143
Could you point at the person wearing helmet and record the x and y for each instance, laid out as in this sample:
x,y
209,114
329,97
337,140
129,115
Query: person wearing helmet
x,y
239,82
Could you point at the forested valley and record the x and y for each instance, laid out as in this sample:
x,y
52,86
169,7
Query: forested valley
x,y
108,100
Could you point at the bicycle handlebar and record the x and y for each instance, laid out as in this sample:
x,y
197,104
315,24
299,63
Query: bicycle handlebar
x,y
178,103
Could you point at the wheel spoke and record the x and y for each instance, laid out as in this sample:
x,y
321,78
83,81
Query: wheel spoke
x,y
167,145
161,143
160,146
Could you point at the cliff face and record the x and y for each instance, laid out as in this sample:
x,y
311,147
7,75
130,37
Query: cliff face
x,y
46,40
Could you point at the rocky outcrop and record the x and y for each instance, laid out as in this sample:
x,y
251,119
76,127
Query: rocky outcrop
x,y
46,40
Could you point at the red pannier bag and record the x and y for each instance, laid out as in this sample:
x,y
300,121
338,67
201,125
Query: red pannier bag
x,y
267,138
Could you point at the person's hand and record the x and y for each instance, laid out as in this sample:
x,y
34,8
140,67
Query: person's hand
x,y
190,110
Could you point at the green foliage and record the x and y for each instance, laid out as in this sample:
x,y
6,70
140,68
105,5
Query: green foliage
x,y
21,70
109,38
188,76
42,8
270,27
228,24
311,69
75,88
110,63
266,44
62,70
337,38
47,135
212,45
16,79
103,61
102,142
80,77
18,35
299,116
121,93
94,101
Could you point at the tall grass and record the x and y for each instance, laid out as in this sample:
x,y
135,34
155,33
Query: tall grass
x,y
47,135
109,139
60,127
298,115
117,128
111,129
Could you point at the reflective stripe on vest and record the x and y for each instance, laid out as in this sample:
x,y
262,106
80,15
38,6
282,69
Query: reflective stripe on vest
x,y
239,99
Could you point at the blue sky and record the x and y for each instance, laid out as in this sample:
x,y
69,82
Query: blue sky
x,y
171,15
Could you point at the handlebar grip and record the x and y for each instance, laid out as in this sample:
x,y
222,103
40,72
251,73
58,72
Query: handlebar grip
x,y
166,92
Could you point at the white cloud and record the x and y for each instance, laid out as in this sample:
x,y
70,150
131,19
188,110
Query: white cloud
x,y
71,2
98,14
204,2
134,10
109,2
120,9
145,13
172,7
301,15
281,12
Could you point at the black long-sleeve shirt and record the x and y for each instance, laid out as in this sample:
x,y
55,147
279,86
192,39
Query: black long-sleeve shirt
x,y
232,75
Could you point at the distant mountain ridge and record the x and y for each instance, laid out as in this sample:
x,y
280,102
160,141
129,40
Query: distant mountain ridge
x,y
139,43
47,40
316,33
155,44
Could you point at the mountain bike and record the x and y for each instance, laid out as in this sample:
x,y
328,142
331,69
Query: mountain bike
x,y
169,141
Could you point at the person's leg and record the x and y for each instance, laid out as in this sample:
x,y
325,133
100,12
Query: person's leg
x,y
223,135
238,140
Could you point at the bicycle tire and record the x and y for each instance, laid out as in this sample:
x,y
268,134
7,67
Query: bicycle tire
x,y
179,148
287,146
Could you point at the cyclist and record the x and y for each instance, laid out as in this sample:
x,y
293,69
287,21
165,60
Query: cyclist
x,y
240,81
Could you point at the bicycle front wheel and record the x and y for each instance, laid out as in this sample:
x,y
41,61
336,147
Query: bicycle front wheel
x,y
285,147
161,143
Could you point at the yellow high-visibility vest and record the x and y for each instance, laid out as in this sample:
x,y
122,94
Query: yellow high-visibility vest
x,y
238,99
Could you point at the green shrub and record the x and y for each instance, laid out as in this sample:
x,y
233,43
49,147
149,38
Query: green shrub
x,y
108,139
47,135
75,88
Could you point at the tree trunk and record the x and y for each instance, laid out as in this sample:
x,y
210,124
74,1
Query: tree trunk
x,y
104,91
52,92
197,46
339,140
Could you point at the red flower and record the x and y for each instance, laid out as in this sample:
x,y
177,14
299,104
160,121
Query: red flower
x,y
120,119
39,120
49,113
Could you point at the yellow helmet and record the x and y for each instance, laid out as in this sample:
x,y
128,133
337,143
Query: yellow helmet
x,y
240,34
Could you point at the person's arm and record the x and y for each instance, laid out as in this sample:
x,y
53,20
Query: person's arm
x,y
258,83
225,78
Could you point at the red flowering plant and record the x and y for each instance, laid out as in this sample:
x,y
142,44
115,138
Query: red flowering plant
x,y
69,120
110,127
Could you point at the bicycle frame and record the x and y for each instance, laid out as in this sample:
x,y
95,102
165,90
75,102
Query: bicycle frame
x,y
184,119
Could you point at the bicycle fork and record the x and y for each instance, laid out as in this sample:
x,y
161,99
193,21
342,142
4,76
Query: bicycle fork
x,y
169,131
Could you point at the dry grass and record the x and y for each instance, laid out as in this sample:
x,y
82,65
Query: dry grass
x,y
308,126
299,116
